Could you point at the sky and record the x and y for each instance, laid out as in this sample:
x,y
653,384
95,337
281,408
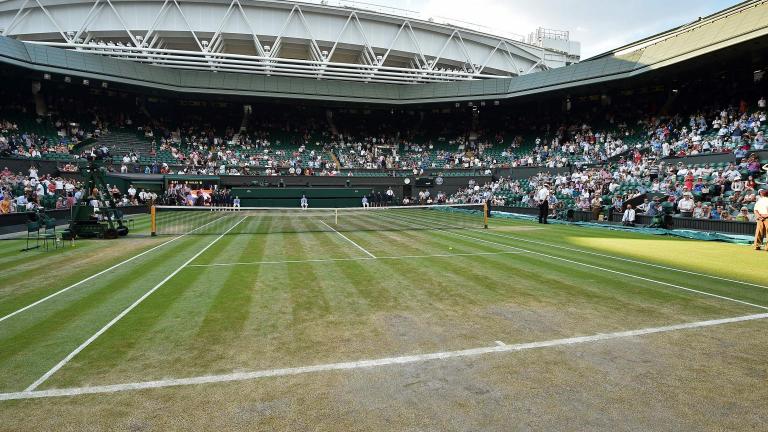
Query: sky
x,y
600,25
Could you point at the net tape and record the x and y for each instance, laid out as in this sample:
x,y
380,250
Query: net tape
x,y
262,220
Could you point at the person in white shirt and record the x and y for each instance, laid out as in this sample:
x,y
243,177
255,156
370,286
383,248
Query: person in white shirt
x,y
304,202
685,205
542,198
644,206
21,202
665,149
365,201
732,174
390,195
628,219
236,202
761,217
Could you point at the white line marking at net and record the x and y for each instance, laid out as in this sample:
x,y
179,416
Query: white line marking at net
x,y
349,240
77,350
500,343
63,290
372,363
319,260
597,267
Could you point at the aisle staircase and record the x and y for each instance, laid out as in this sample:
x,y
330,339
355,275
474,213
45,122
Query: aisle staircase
x,y
247,112
120,142
331,124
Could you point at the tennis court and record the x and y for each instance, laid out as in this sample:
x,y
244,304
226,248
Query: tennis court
x,y
313,311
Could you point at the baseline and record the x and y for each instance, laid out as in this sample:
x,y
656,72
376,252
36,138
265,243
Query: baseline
x,y
372,363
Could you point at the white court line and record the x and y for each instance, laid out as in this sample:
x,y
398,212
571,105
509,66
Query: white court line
x,y
628,260
319,260
595,267
349,240
372,363
77,350
63,290
616,257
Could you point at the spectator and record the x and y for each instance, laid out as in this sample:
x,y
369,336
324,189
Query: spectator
x,y
761,217
743,216
5,204
686,205
628,219
698,211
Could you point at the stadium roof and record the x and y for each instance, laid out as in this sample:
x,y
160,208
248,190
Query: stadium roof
x,y
699,21
744,22
280,38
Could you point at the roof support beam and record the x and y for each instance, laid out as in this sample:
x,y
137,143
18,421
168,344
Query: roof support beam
x,y
53,21
16,19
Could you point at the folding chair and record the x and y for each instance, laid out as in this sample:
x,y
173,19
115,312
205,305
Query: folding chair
x,y
49,232
33,233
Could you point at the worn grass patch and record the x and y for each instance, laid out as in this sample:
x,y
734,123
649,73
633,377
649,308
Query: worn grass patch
x,y
224,319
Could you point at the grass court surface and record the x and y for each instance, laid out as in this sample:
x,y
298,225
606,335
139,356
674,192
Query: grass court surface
x,y
379,323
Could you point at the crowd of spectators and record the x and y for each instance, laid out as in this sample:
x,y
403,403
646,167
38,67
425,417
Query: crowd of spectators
x,y
727,130
274,145
18,143
723,192
184,194
609,161
55,126
28,192
20,192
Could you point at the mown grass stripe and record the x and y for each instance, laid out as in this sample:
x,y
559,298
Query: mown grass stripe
x,y
712,285
170,324
598,232
90,340
229,310
63,290
30,341
308,299
371,363
634,276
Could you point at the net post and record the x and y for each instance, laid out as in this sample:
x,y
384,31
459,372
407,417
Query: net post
x,y
153,218
485,214
336,216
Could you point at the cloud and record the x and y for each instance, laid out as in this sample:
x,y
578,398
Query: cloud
x,y
598,24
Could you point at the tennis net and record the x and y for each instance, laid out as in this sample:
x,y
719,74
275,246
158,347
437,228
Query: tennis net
x,y
170,220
